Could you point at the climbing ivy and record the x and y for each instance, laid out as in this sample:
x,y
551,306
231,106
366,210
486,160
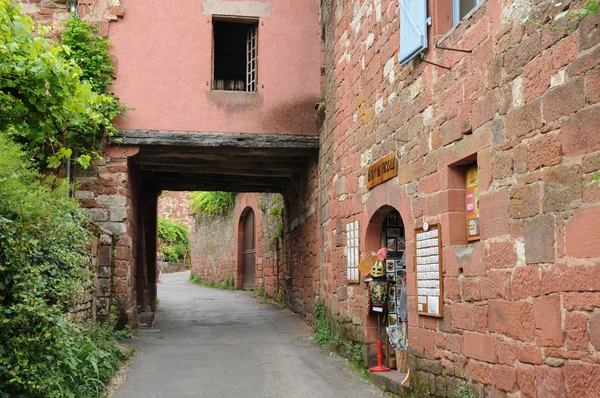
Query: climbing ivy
x,y
48,103
211,203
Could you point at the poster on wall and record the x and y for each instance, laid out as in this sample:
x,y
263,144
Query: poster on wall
x,y
428,275
472,203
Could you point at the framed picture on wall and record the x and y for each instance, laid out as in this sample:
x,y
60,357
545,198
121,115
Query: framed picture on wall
x,y
389,265
389,276
392,319
392,244
401,244
392,306
400,264
393,232
392,220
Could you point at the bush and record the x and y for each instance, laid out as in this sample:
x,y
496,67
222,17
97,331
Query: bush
x,y
175,238
211,203
44,263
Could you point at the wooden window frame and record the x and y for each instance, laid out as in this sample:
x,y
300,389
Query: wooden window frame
x,y
352,252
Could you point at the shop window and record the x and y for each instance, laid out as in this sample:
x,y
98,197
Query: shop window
x,y
472,202
460,9
392,236
235,55
413,29
352,252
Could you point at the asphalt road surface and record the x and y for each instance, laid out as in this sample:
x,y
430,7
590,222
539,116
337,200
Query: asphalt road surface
x,y
212,343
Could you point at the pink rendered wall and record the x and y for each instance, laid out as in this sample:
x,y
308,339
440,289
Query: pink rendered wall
x,y
164,62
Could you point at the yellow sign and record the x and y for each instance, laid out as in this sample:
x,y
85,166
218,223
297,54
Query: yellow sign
x,y
382,170
472,203
366,264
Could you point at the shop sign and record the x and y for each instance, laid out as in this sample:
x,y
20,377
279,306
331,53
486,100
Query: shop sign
x,y
383,170
472,203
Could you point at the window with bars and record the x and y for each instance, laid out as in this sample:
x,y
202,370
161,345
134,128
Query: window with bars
x,y
235,55
352,253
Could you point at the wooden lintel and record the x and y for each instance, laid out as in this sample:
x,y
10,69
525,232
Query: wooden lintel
x,y
215,170
204,139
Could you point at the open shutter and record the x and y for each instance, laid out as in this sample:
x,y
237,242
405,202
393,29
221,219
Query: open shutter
x,y
413,29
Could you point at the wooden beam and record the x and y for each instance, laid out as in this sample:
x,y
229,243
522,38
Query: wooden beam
x,y
234,164
206,139
221,170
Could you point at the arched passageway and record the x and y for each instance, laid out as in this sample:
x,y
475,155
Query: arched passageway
x,y
386,229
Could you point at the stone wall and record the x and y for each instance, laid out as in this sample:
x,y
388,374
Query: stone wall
x,y
213,256
521,305
216,243
175,206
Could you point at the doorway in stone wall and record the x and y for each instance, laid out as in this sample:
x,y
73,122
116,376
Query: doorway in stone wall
x,y
386,229
249,251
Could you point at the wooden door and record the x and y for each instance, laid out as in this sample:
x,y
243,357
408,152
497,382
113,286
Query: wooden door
x,y
249,252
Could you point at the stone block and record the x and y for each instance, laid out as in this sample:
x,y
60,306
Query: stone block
x,y
544,151
526,282
105,256
557,197
579,132
504,377
524,119
548,321
97,215
479,346
582,380
118,214
479,372
501,254
580,242
112,201
576,332
564,100
494,211
539,239
524,201
513,319
117,228
536,78
594,329
526,380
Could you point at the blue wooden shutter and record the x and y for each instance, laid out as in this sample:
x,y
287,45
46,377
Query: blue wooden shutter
x,y
413,29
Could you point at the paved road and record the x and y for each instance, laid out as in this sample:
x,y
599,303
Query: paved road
x,y
212,343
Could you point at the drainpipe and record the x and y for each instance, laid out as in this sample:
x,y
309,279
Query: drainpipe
x,y
68,172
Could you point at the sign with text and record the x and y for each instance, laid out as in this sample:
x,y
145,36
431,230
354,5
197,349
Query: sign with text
x,y
382,170
472,203
428,271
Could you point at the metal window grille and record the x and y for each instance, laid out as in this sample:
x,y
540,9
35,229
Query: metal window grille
x,y
251,57
352,253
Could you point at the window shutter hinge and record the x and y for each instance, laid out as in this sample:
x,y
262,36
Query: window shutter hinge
x,y
429,21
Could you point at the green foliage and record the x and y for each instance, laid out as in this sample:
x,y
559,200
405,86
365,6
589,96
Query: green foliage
x,y
595,180
175,238
590,7
89,49
323,334
170,253
211,203
463,392
228,283
44,267
44,103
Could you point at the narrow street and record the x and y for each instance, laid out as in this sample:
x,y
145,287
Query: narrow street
x,y
212,343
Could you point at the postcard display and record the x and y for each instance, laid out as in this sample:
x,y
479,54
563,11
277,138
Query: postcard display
x,y
395,265
428,275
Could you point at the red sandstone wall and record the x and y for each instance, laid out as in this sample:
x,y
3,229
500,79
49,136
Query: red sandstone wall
x,y
521,305
175,206
216,244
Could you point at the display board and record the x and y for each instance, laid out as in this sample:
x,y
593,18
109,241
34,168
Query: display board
x,y
472,203
428,271
395,265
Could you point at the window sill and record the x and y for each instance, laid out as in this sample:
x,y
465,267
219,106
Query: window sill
x,y
466,17
239,98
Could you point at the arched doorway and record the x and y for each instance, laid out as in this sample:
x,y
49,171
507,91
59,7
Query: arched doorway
x,y
249,251
386,229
